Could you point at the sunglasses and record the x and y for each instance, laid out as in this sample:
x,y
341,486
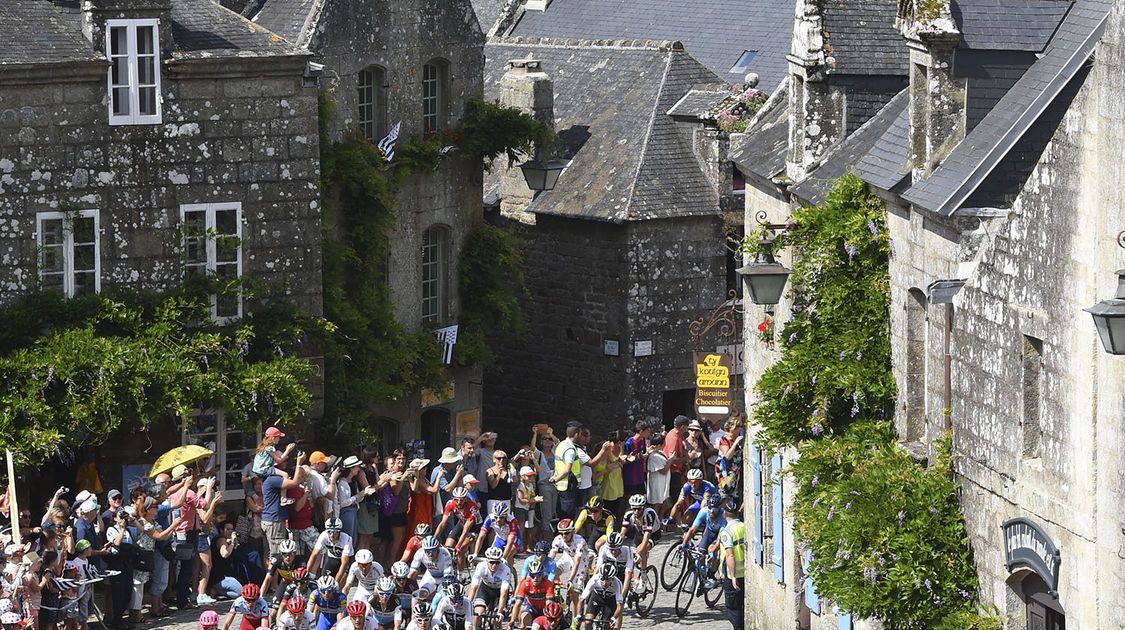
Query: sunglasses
x,y
332,531
493,562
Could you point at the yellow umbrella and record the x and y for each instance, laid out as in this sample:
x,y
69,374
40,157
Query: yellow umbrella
x,y
185,455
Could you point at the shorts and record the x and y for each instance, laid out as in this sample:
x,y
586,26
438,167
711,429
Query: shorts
x,y
275,532
531,610
278,598
306,540
397,520
600,606
429,583
709,536
454,529
487,596
81,608
636,534
501,543
202,544
524,516
366,522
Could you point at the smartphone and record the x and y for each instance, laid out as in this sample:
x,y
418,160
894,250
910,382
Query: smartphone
x,y
176,513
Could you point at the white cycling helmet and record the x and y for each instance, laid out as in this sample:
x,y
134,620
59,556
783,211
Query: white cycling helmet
x,y
363,556
694,474
385,586
327,583
460,492
423,610
400,569
615,540
287,546
333,523
637,501
493,554
430,543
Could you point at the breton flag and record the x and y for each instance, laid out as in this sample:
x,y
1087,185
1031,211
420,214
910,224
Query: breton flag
x,y
387,145
447,149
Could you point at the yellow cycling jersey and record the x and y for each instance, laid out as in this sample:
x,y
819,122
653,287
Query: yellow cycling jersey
x,y
604,526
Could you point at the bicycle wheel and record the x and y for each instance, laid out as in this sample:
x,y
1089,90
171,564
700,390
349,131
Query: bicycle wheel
x,y
646,599
686,592
714,595
672,568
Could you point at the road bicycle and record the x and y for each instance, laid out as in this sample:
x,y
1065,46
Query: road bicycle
x,y
697,580
642,595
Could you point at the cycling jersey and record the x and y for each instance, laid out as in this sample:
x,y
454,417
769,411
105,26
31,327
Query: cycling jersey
x,y
602,527
334,549
413,545
469,512
507,526
252,612
576,546
704,520
278,569
483,575
366,581
649,521
404,591
594,588
347,623
438,566
385,614
706,488
550,569
462,613
535,595
623,560
329,605
303,621
542,623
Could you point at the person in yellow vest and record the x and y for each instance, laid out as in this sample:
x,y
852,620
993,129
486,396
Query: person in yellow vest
x,y
568,470
732,538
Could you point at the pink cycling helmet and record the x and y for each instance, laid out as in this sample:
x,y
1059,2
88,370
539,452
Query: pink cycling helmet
x,y
209,618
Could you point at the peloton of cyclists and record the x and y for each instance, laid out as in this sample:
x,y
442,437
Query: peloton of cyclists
x,y
693,495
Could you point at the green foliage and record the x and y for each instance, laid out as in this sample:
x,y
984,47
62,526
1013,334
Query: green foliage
x,y
836,360
491,282
886,535
78,370
490,130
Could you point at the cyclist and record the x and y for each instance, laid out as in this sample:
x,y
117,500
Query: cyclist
x,y
568,550
534,592
254,610
301,588
711,521
405,586
506,530
458,522
327,600
358,618
385,606
551,619
208,620
421,531
280,575
422,617
593,522
540,550
602,597
693,495
488,589
454,612
621,557
296,616
437,562
332,551
364,574
642,525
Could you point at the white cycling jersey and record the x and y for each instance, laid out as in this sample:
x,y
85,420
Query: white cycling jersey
x,y
484,575
303,621
594,588
624,557
439,566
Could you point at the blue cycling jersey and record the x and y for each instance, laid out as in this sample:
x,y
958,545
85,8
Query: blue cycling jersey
x,y
329,605
703,520
705,488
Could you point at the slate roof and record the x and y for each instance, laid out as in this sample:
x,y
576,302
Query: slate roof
x,y
814,188
860,37
885,164
1008,24
983,149
699,103
628,161
287,17
488,11
35,31
715,33
202,29
761,150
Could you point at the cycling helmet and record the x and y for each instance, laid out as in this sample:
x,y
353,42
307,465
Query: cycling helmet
x,y
250,592
455,591
400,569
540,548
534,566
208,618
300,573
429,543
385,586
460,492
333,523
615,540
608,571
423,529
637,501
363,556
553,610
423,610
566,525
287,546
357,607
694,474
501,509
493,554
326,583
595,503
296,605
714,502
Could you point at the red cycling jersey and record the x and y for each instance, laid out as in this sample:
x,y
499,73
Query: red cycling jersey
x,y
536,596
542,623
468,513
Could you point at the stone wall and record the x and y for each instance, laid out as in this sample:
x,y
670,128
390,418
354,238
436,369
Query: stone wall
x,y
233,131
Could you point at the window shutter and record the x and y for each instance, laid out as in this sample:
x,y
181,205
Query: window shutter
x,y
778,521
812,600
756,467
845,620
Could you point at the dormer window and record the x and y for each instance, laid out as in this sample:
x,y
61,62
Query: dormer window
x,y
133,49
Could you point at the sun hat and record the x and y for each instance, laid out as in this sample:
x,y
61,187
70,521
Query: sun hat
x,y
178,471
351,462
89,506
449,455
418,463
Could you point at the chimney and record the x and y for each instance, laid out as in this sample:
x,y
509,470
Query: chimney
x,y
816,110
96,12
937,97
526,87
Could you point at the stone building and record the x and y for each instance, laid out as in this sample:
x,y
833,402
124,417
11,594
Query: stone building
x,y
411,62
126,126
998,166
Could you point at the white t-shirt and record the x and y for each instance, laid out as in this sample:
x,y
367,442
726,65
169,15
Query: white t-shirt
x,y
318,484
337,549
587,478
656,485
304,621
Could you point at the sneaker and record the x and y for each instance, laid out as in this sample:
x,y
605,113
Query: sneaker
x,y
205,600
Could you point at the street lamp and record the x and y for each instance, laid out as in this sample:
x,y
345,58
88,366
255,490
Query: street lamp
x,y
542,173
765,277
1109,318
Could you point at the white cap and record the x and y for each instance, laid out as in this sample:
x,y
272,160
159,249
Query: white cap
x,y
87,507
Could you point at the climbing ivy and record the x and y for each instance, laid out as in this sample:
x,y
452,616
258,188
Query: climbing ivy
x,y
886,534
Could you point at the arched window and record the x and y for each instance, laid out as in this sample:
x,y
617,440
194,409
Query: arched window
x,y
372,115
434,98
435,275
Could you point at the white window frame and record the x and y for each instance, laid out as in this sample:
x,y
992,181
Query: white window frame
x,y
372,113
433,94
435,308
211,246
221,439
69,285
134,117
